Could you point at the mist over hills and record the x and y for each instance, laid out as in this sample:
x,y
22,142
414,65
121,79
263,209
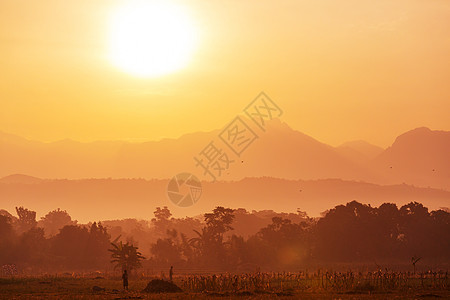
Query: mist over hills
x,y
360,152
419,157
100,199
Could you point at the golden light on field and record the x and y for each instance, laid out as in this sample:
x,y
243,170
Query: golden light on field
x,y
151,38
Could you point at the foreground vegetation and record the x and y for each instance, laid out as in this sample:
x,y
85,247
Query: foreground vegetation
x,y
321,284
352,234
390,251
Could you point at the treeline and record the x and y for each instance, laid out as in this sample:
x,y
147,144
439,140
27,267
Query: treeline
x,y
230,240
351,233
54,243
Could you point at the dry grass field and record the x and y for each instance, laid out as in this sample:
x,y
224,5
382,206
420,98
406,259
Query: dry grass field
x,y
244,286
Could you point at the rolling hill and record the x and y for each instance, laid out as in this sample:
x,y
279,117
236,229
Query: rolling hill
x,y
100,199
420,157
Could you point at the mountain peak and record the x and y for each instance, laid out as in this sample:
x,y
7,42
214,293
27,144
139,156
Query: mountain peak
x,y
417,131
421,129
420,137
276,123
20,178
419,156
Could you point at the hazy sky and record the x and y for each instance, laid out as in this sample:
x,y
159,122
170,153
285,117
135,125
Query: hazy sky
x,y
341,70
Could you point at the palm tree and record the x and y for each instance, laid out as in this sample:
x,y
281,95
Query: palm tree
x,y
125,256
203,240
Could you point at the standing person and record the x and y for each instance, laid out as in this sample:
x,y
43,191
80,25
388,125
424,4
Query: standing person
x,y
171,274
125,280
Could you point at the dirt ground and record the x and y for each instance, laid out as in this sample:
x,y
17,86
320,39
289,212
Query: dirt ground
x,y
83,288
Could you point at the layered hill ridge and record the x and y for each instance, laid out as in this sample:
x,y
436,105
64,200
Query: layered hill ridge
x,y
359,151
87,199
419,157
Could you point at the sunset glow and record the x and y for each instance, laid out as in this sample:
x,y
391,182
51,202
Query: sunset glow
x,y
197,149
151,39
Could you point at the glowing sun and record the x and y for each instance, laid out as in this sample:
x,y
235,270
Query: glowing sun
x,y
151,38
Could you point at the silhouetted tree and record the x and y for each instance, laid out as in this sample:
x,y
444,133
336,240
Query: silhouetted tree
x,y
97,246
7,237
32,247
346,233
439,234
219,221
388,236
69,245
209,243
54,221
162,214
125,256
201,243
415,225
167,251
27,219
349,231
161,220
289,243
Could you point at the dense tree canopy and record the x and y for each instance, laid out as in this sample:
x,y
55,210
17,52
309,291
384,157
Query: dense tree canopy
x,y
351,233
54,221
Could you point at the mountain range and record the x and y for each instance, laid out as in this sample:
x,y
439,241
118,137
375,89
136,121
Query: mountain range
x,y
418,157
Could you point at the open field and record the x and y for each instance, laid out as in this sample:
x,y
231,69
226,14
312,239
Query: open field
x,y
244,286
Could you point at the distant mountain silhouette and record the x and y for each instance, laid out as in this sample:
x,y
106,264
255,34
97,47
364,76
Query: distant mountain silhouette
x,y
99,199
279,152
420,156
286,153
359,151
20,178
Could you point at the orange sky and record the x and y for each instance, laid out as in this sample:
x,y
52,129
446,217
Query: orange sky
x,y
341,70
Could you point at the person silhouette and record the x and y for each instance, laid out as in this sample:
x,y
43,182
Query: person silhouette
x,y
125,279
171,274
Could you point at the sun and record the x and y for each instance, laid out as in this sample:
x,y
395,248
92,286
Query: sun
x,y
151,38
